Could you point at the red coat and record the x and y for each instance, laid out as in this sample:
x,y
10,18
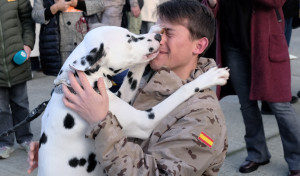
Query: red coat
x,y
270,63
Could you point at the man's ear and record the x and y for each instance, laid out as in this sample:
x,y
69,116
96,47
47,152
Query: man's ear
x,y
200,45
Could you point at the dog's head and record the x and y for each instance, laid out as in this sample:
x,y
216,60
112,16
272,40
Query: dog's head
x,y
110,50
117,49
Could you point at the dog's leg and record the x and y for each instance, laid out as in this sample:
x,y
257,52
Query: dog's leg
x,y
140,124
131,83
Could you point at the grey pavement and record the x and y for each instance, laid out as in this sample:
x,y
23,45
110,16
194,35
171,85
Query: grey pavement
x,y
40,87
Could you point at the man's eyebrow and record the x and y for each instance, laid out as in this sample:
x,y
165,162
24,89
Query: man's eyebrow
x,y
168,29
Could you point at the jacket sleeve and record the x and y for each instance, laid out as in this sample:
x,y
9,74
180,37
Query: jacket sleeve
x,y
177,152
38,12
94,6
28,25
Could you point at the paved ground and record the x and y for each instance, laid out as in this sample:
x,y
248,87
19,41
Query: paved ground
x,y
39,90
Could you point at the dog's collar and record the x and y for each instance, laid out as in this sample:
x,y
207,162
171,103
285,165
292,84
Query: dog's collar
x,y
58,89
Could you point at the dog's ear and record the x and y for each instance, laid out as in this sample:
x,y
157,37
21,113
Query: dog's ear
x,y
87,62
155,29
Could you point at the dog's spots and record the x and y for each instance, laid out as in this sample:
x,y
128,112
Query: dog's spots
x,y
89,72
43,139
149,40
109,77
92,162
74,162
60,72
69,121
95,54
129,74
130,80
197,89
151,114
133,38
119,94
82,162
83,62
95,85
115,71
133,85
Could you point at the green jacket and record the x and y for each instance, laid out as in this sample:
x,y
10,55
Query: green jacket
x,y
16,30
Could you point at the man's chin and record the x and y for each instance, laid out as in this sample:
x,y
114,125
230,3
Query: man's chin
x,y
154,65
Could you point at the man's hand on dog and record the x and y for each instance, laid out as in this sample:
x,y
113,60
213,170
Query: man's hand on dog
x,y
87,103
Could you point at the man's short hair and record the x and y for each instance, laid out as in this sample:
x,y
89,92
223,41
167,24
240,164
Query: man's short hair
x,y
197,18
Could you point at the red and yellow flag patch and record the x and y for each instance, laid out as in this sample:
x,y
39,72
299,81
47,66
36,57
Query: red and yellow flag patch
x,y
206,139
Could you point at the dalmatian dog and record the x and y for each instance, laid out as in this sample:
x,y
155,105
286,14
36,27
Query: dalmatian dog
x,y
105,52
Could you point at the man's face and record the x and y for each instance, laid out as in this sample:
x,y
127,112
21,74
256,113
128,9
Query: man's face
x,y
176,50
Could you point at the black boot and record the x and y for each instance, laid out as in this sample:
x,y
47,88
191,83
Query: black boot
x,y
294,99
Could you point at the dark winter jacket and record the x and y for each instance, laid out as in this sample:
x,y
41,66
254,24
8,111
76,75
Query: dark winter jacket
x,y
16,30
51,61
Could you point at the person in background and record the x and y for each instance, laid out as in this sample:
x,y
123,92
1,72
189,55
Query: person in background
x,y
290,9
148,14
17,33
192,139
64,24
132,16
252,45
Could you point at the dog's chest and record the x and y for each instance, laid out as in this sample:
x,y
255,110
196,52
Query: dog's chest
x,y
64,150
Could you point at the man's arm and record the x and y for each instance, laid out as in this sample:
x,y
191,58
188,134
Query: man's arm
x,y
176,151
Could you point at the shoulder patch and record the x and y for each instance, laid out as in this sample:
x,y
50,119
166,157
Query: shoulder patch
x,y
206,139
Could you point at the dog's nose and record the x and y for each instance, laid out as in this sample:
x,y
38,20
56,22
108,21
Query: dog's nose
x,y
157,37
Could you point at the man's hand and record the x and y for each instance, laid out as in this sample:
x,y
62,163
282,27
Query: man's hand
x,y
87,103
135,11
60,5
212,3
33,156
74,3
27,49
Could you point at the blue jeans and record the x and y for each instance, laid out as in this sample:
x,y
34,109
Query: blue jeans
x,y
14,107
288,30
239,64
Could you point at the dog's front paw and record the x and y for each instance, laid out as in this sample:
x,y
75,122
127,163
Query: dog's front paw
x,y
219,76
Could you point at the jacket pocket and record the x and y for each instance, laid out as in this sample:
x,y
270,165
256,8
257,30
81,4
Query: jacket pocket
x,y
278,48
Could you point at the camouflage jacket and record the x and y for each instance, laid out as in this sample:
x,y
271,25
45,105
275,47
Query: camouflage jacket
x,y
190,141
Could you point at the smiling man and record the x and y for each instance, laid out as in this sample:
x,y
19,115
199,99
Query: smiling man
x,y
192,139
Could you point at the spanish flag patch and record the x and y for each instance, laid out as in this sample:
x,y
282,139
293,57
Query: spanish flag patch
x,y
206,139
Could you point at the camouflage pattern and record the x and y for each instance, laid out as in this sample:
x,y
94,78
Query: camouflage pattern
x,y
174,147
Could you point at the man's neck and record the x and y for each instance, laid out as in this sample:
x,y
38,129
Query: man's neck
x,y
185,72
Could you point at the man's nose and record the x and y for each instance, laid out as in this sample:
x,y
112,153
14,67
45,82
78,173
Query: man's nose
x,y
157,37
